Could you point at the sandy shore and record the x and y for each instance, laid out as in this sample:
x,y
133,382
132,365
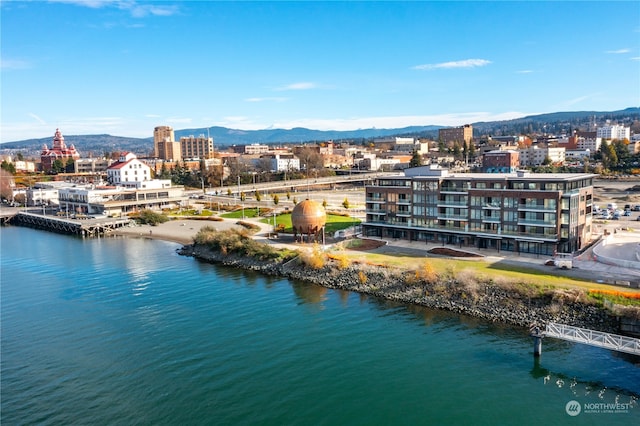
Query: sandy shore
x,y
179,230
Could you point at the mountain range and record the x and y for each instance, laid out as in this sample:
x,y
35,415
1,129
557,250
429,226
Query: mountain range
x,y
553,123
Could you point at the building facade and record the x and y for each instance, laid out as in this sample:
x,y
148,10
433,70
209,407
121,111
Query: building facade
x,y
518,212
58,151
165,146
536,156
200,148
501,161
128,169
456,134
614,132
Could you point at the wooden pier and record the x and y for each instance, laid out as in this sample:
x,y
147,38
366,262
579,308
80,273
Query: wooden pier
x,y
91,227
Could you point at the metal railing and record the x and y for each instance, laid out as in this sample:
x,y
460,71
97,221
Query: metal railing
x,y
610,341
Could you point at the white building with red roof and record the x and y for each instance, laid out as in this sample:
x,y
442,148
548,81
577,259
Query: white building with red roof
x,y
127,170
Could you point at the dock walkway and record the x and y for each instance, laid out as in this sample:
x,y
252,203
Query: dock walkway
x,y
610,341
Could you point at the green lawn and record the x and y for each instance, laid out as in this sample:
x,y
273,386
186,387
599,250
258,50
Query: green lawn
x,y
334,222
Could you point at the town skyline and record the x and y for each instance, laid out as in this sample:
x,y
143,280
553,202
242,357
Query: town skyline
x,y
122,68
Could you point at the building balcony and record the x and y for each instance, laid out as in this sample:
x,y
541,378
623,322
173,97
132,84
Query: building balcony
x,y
375,200
536,208
532,222
490,219
454,191
459,218
453,204
491,207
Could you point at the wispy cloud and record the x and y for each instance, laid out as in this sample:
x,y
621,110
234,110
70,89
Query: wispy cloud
x,y
379,122
466,63
14,64
618,52
524,72
269,99
298,86
636,58
37,118
137,9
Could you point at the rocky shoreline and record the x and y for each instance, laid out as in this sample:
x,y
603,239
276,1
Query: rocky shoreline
x,y
485,300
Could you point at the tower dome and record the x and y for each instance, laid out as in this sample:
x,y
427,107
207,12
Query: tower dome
x,y
308,217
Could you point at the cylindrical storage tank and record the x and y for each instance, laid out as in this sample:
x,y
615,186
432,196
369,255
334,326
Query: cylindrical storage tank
x,y
308,217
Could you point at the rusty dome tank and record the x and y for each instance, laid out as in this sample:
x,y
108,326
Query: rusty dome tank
x,y
308,217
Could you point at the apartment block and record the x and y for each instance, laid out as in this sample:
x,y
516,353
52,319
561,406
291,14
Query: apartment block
x,y
614,132
196,148
518,212
164,145
535,156
456,134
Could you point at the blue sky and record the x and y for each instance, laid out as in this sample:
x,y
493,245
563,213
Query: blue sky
x,y
124,67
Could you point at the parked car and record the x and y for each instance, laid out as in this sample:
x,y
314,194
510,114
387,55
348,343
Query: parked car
x,y
626,213
636,207
638,219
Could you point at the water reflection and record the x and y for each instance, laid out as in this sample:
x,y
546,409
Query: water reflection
x,y
309,293
586,390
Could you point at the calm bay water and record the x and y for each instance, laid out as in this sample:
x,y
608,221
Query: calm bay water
x,y
117,331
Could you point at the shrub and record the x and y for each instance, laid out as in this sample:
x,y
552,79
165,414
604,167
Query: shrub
x,y
313,258
150,217
234,241
362,277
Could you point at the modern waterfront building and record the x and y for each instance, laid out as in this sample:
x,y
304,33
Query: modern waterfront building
x,y
520,212
118,200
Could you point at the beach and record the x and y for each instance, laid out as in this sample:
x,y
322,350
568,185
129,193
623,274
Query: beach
x,y
178,230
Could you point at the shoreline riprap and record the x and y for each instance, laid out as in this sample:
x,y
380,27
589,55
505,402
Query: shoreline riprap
x,y
484,300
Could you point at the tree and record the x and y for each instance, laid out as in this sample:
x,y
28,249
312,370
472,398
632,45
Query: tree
x,y
70,166
416,159
324,203
9,167
546,161
346,203
19,156
276,199
57,166
472,150
6,184
457,152
258,195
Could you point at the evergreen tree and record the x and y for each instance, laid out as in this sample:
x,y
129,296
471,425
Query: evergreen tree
x,y
416,159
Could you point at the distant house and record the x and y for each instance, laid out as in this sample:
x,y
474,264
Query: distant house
x,y
128,169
